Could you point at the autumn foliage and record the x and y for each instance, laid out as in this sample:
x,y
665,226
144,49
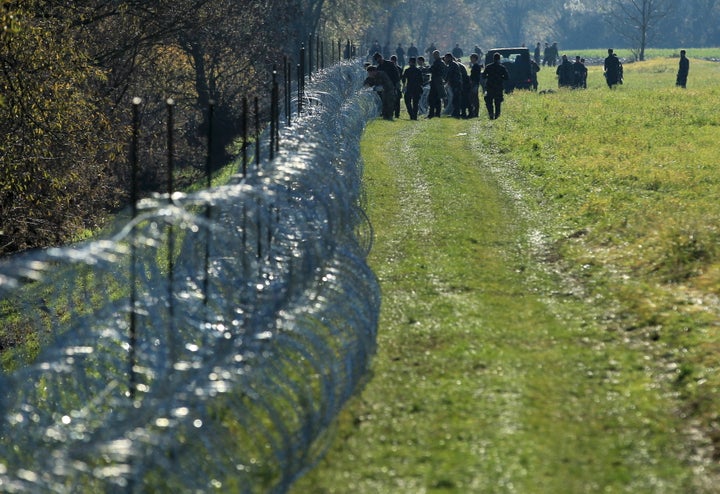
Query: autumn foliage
x,y
69,71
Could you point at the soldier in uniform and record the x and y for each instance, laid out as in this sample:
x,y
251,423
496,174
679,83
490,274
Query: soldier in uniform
x,y
457,52
495,75
454,80
400,54
412,79
475,83
412,51
565,73
381,83
391,69
683,70
581,73
437,75
612,69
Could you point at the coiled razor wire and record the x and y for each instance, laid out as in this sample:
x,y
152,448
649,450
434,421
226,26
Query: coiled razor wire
x,y
254,320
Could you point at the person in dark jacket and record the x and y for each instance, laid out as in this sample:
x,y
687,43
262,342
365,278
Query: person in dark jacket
x,y
581,73
412,79
683,70
457,52
393,72
382,84
475,82
453,76
412,51
495,75
398,85
400,54
612,69
437,82
565,73
534,69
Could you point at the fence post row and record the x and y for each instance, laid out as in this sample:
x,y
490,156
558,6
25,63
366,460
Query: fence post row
x,y
301,74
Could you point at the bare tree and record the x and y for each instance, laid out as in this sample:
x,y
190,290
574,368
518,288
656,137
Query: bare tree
x,y
636,20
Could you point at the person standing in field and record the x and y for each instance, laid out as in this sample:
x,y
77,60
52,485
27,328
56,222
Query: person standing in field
x,y
393,72
412,51
457,52
495,75
475,81
565,73
683,70
398,88
580,73
534,69
613,69
546,55
400,54
437,83
453,76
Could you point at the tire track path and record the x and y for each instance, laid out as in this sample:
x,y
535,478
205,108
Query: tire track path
x,y
490,376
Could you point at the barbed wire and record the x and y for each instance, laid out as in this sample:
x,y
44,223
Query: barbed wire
x,y
208,343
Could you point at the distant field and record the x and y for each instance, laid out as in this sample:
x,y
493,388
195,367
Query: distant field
x,y
650,53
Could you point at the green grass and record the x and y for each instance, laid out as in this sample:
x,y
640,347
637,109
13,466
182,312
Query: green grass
x,y
650,53
549,319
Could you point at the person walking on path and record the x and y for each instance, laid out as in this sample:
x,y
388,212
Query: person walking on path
x,y
495,75
412,79
683,70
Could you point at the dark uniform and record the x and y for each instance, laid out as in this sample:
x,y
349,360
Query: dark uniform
x,y
683,70
457,52
380,81
495,76
566,73
437,75
534,69
413,80
580,74
613,69
400,54
455,81
475,83
393,72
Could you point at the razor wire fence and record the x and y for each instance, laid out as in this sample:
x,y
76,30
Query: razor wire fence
x,y
208,343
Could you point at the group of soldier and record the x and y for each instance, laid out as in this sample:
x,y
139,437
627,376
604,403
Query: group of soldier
x,y
572,74
449,83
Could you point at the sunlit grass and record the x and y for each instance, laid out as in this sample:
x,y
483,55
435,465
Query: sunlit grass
x,y
479,385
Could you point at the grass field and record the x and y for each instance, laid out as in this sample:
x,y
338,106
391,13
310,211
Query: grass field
x,y
550,296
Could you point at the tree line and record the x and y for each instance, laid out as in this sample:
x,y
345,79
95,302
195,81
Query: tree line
x,y
577,24
71,69
69,73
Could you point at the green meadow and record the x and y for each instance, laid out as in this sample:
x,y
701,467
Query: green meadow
x,y
550,318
